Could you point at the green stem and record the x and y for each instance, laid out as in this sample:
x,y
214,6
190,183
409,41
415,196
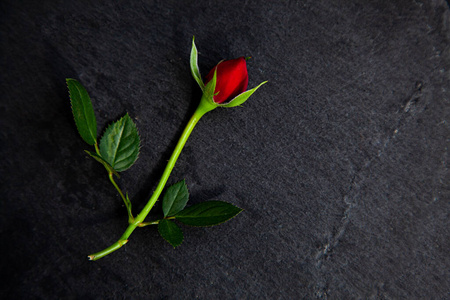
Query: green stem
x,y
111,178
97,149
204,106
125,199
108,250
143,224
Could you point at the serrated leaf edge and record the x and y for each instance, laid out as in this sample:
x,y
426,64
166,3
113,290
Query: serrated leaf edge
x,y
241,210
182,240
138,135
171,215
73,115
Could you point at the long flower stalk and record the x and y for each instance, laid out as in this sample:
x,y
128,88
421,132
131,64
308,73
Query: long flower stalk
x,y
203,108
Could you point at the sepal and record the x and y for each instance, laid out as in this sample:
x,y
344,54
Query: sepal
x,y
194,66
210,88
207,101
241,98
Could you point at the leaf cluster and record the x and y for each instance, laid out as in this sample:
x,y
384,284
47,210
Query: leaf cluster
x,y
118,150
204,214
119,145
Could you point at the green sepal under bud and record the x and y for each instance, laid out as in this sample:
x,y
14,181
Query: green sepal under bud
x,y
194,65
210,88
241,98
207,101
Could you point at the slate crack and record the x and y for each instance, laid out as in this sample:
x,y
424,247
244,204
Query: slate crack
x,y
409,109
333,242
326,250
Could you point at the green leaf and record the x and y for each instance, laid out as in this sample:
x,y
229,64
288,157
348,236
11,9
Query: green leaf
x,y
208,213
238,100
82,110
119,145
170,232
194,65
103,162
175,199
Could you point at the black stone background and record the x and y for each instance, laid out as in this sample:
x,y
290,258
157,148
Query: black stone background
x,y
340,161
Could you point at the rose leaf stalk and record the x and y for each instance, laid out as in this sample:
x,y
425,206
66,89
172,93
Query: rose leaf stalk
x,y
226,87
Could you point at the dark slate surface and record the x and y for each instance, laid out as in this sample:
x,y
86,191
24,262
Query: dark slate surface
x,y
340,162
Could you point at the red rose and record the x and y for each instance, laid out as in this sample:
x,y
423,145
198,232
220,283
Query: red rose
x,y
226,84
232,79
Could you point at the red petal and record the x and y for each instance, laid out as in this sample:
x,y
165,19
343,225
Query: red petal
x,y
232,79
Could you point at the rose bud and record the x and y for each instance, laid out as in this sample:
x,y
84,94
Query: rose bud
x,y
232,79
226,83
